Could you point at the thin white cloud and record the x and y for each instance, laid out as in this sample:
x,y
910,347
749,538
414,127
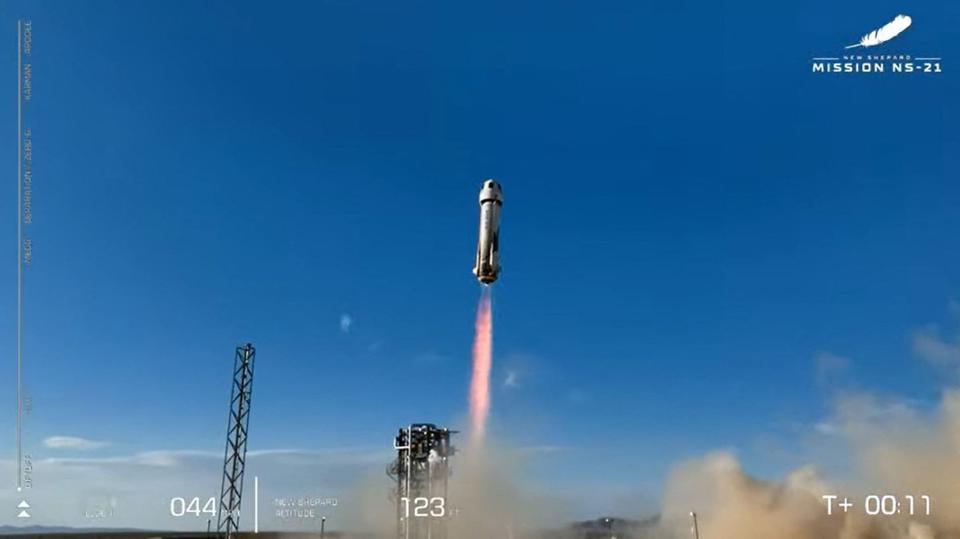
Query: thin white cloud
x,y
128,487
73,442
346,322
182,457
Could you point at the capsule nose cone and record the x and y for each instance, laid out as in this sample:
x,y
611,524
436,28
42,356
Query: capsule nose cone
x,y
492,185
490,190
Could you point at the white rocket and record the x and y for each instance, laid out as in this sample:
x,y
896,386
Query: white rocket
x,y
487,267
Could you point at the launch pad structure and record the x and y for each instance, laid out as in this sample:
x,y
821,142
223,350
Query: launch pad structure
x,y
235,453
421,471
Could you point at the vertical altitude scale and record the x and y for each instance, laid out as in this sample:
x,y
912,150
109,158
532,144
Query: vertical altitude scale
x,y
19,253
24,217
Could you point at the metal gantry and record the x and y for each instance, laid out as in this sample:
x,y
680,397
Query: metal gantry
x,y
421,471
235,454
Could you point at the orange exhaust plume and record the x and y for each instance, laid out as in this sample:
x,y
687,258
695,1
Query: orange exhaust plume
x,y
480,378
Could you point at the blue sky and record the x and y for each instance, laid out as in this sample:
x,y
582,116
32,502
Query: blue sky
x,y
690,218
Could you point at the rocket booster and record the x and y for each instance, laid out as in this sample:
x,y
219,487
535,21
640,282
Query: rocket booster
x,y
487,266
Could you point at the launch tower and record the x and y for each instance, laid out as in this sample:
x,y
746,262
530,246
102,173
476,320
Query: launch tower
x,y
235,454
421,471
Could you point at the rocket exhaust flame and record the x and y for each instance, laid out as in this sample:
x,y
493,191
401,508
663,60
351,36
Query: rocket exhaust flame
x,y
480,377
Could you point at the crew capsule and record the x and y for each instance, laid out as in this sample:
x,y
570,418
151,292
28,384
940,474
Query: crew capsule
x,y
487,266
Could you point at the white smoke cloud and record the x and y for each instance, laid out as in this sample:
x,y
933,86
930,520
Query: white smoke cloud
x,y
346,322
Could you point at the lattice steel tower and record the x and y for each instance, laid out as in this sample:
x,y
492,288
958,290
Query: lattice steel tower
x,y
421,472
235,454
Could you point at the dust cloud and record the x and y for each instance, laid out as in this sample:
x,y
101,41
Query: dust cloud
x,y
485,500
894,450
490,501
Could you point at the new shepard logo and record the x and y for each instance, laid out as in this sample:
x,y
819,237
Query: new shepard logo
x,y
858,62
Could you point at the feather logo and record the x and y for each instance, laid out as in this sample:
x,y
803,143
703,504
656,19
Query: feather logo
x,y
885,33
